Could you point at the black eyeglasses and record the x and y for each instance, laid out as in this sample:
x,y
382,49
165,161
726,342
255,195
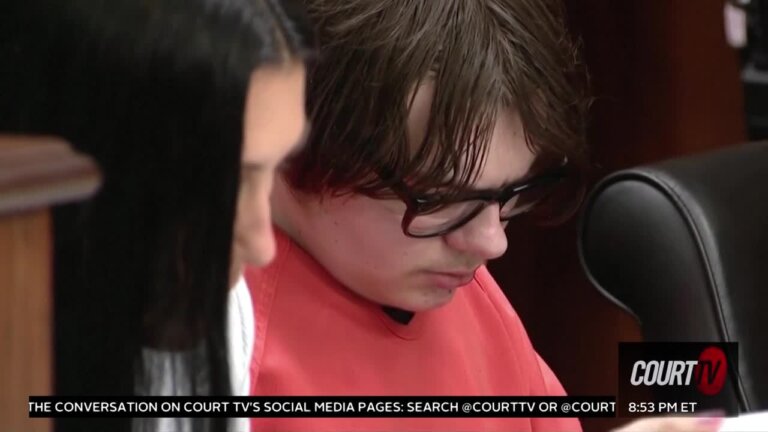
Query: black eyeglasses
x,y
435,215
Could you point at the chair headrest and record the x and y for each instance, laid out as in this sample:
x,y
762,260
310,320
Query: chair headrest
x,y
683,244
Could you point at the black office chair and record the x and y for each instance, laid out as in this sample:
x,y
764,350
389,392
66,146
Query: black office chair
x,y
683,245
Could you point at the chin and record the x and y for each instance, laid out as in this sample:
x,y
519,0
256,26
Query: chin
x,y
427,300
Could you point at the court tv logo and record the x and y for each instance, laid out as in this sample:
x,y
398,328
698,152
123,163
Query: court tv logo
x,y
707,373
655,375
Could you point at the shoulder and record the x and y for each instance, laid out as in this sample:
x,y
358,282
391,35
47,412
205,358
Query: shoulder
x,y
543,379
494,296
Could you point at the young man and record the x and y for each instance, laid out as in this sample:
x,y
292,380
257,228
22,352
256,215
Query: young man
x,y
434,125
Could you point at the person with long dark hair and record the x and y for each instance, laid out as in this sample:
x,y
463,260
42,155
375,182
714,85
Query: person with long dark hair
x,y
188,106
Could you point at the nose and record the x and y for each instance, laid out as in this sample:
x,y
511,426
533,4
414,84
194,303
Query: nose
x,y
483,237
254,238
261,241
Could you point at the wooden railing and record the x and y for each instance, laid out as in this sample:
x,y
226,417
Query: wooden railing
x,y
35,174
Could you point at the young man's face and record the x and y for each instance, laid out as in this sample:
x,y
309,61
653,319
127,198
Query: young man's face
x,y
360,240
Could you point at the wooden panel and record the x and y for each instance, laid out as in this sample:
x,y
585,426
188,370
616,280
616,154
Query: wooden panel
x,y
35,173
25,318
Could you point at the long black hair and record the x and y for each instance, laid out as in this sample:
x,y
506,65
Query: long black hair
x,y
154,91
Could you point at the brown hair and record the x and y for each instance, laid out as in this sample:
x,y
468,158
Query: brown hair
x,y
481,54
